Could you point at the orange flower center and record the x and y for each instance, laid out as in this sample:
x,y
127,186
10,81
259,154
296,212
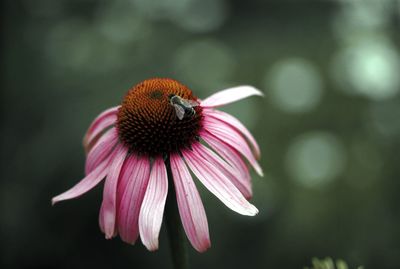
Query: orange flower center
x,y
148,121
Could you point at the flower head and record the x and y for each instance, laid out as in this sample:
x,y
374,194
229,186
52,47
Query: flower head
x,y
161,125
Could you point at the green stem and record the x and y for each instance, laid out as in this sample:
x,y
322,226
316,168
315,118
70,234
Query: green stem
x,y
175,230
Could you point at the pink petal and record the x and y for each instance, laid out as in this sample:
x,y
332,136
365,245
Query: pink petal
x,y
230,136
230,95
190,206
86,184
218,184
152,210
132,187
89,182
236,171
101,122
101,150
228,153
108,206
230,172
234,122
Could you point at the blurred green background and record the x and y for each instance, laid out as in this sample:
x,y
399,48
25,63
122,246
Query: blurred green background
x,y
328,127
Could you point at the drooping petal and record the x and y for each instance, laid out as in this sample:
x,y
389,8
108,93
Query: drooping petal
x,y
132,187
230,136
190,206
234,122
231,155
100,123
230,172
230,95
86,184
218,184
101,150
152,209
109,204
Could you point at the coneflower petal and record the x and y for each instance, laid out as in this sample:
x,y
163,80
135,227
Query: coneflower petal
x,y
230,95
190,206
231,155
234,122
217,183
86,184
234,168
230,136
230,172
132,187
101,150
101,122
109,204
152,209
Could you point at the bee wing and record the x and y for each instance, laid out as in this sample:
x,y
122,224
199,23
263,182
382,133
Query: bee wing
x,y
193,103
180,112
185,102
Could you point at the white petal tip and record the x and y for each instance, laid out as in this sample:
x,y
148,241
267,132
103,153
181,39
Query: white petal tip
x,y
109,222
256,91
252,211
55,200
152,247
109,234
108,237
230,95
259,171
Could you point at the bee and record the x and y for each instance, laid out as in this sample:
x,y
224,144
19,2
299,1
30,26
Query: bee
x,y
183,107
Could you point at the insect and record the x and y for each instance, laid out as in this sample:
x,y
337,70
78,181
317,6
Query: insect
x,y
183,107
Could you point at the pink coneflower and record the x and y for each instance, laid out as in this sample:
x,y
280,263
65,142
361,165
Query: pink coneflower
x,y
162,126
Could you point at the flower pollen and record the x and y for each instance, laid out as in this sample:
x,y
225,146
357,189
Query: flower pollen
x,y
147,121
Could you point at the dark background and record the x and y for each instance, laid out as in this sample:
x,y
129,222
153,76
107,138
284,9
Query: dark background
x,y
328,127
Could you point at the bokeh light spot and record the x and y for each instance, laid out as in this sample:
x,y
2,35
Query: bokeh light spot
x,y
295,85
315,159
369,67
